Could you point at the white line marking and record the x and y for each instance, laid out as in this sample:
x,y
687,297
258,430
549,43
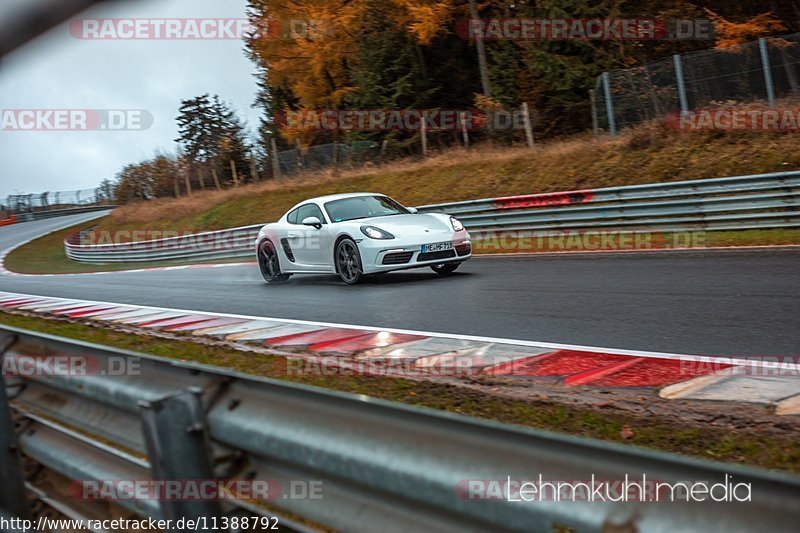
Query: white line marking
x,y
478,338
777,247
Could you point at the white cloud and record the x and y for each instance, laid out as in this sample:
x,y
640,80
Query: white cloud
x,y
59,71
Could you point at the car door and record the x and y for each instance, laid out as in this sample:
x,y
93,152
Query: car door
x,y
308,244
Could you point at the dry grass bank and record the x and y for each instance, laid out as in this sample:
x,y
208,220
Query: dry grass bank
x,y
647,155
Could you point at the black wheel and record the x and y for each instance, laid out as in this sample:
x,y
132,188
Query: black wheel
x,y
348,262
269,264
445,269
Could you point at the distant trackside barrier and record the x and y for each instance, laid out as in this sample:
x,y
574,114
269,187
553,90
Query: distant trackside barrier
x,y
760,201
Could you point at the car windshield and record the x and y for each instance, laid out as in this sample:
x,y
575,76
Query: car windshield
x,y
363,207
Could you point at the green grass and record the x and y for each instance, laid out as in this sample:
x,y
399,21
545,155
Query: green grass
x,y
752,446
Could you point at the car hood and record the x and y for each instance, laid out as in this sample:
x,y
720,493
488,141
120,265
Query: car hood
x,y
411,223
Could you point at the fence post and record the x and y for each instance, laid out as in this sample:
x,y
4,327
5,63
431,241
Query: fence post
x,y
424,136
254,177
681,84
188,180
612,122
276,165
384,147
762,45
335,159
464,133
528,127
176,438
234,173
299,148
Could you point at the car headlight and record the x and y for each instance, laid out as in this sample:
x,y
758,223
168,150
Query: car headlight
x,y
457,225
376,233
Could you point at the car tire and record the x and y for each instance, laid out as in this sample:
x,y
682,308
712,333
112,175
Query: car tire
x,y
348,262
445,269
269,264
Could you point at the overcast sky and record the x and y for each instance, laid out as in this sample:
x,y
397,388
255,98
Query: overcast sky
x,y
58,71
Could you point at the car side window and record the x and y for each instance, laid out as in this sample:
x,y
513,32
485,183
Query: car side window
x,y
291,218
309,210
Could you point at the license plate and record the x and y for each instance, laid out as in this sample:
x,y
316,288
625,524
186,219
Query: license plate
x,y
437,247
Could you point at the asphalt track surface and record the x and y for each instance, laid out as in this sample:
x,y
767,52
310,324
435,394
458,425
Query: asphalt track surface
x,y
731,303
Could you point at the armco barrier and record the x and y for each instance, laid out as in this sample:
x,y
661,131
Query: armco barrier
x,y
369,462
39,215
734,203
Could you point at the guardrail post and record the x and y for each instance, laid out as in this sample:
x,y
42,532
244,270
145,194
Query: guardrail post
x,y
681,85
176,438
762,45
612,121
12,487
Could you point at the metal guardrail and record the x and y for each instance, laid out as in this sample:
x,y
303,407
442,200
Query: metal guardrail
x,y
234,242
376,462
39,215
734,203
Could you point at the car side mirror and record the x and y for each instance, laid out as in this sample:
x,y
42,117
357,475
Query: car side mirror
x,y
312,221
413,210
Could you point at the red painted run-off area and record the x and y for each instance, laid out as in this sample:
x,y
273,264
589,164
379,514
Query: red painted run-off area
x,y
570,367
604,369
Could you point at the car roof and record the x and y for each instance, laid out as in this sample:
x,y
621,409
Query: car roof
x,y
329,197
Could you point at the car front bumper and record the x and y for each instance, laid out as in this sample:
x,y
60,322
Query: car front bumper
x,y
385,256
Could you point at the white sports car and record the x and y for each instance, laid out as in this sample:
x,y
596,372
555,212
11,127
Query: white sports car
x,y
359,234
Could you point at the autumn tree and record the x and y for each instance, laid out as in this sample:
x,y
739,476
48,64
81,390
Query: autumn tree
x,y
732,33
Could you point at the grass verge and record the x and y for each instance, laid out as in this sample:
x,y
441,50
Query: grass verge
x,y
744,445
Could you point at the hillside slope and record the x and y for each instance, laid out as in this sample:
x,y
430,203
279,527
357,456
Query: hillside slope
x,y
647,155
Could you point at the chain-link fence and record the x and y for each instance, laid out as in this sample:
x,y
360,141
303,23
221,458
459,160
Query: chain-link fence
x,y
17,204
334,155
766,69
